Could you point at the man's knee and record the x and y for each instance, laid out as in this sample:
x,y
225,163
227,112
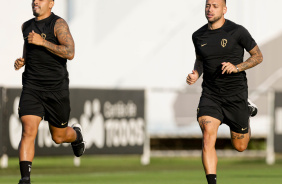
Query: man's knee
x,y
58,139
241,147
240,141
208,140
30,126
29,132
59,135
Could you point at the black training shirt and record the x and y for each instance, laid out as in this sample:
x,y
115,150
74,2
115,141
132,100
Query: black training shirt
x,y
44,70
225,44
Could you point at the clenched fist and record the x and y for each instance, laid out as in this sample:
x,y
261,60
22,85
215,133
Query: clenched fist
x,y
228,68
192,77
34,38
20,62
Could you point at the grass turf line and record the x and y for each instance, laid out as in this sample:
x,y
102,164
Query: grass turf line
x,y
128,170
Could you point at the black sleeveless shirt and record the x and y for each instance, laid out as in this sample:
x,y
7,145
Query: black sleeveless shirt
x,y
44,70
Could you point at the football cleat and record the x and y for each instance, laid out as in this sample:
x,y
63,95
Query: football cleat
x,y
253,109
24,181
78,147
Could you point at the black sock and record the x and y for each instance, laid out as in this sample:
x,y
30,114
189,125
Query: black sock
x,y
78,137
211,178
25,168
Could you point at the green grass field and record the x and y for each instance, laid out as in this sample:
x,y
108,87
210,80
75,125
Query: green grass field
x,y
128,170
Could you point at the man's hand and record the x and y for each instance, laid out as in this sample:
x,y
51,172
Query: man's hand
x,y
228,68
20,62
192,77
34,38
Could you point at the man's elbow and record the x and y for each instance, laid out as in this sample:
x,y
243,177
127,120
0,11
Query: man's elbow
x,y
260,58
70,57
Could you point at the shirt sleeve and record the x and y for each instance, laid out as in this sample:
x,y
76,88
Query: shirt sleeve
x,y
195,44
245,39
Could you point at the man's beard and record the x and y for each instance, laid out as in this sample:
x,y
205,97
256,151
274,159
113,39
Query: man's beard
x,y
35,14
215,20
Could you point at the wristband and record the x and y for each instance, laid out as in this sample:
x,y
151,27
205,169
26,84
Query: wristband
x,y
237,69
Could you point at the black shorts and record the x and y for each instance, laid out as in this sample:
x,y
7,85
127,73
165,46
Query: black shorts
x,y
232,111
54,106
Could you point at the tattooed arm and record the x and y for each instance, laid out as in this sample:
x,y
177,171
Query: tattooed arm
x,y
62,32
255,59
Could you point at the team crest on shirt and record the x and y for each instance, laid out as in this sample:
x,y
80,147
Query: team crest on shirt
x,y
43,35
223,42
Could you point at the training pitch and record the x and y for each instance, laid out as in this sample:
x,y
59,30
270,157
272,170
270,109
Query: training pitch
x,y
128,170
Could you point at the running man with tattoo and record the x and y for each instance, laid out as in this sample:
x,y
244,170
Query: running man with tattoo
x,y
219,47
48,45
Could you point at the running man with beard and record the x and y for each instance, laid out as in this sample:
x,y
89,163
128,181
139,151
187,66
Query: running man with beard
x,y
48,45
219,47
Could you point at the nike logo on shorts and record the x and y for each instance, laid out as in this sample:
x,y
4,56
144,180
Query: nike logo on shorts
x,y
64,123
